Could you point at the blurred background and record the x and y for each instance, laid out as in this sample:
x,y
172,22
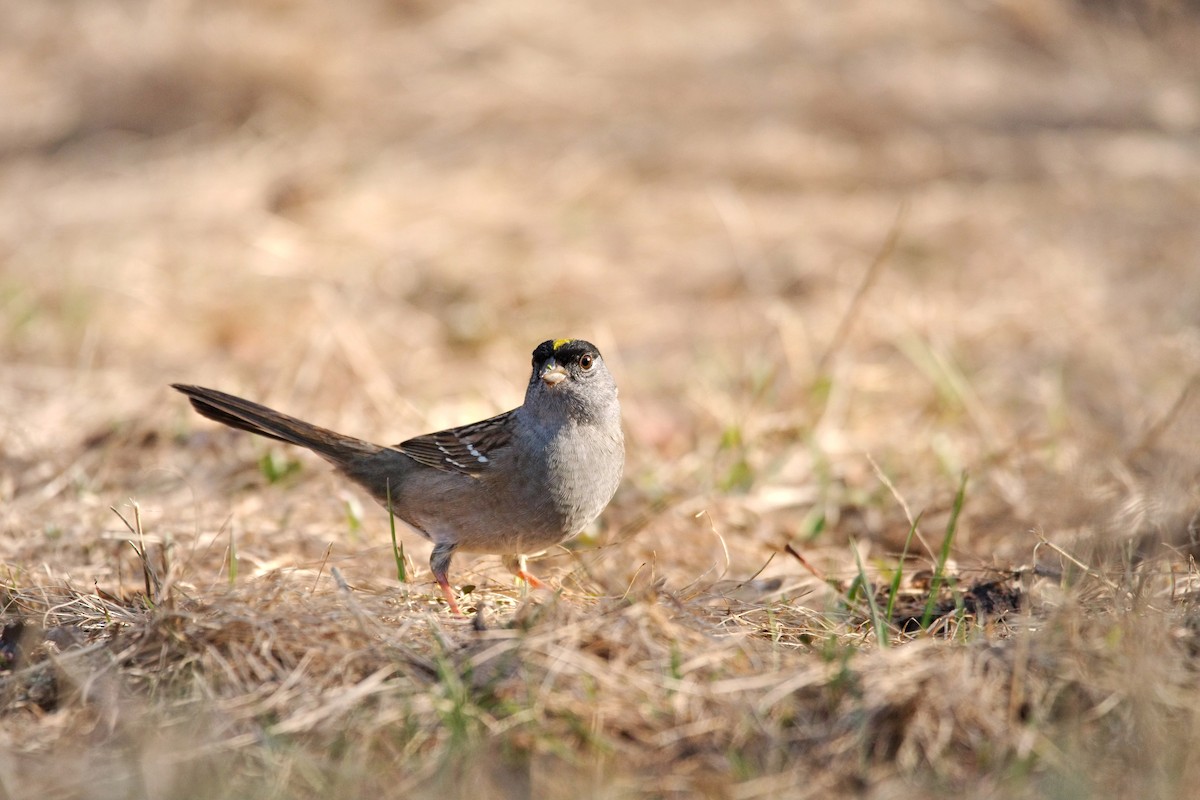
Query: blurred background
x,y
808,236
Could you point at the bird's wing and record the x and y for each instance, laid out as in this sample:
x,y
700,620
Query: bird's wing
x,y
468,449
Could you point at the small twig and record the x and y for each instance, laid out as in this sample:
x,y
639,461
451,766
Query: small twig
x,y
912,521
842,331
632,581
149,577
321,568
1158,428
794,553
760,570
712,525
1095,573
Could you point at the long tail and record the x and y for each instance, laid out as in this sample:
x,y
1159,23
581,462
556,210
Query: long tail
x,y
248,416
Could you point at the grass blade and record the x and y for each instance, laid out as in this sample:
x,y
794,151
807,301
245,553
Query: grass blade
x,y
878,623
397,548
233,559
896,578
939,572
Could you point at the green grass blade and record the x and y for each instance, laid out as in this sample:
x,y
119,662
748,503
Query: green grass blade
x,y
939,572
896,578
397,548
878,623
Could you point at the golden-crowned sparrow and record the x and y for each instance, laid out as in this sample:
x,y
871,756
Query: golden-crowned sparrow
x,y
512,484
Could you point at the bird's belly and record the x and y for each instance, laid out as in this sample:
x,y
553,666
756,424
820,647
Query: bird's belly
x,y
561,491
481,517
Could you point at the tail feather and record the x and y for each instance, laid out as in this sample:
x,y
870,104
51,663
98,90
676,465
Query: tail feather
x,y
245,415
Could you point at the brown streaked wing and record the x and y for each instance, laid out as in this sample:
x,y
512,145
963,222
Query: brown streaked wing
x,y
467,450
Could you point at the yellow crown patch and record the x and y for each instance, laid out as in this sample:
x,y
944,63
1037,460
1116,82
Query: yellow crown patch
x,y
560,342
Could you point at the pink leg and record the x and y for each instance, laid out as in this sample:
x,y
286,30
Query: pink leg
x,y
516,565
439,564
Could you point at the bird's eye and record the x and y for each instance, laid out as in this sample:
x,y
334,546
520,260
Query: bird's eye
x,y
586,361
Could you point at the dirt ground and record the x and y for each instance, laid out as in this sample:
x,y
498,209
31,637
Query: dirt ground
x,y
838,256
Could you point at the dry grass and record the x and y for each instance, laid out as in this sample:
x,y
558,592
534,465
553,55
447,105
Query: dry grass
x,y
838,256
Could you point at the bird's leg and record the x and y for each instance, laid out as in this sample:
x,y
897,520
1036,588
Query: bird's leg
x,y
516,565
439,564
